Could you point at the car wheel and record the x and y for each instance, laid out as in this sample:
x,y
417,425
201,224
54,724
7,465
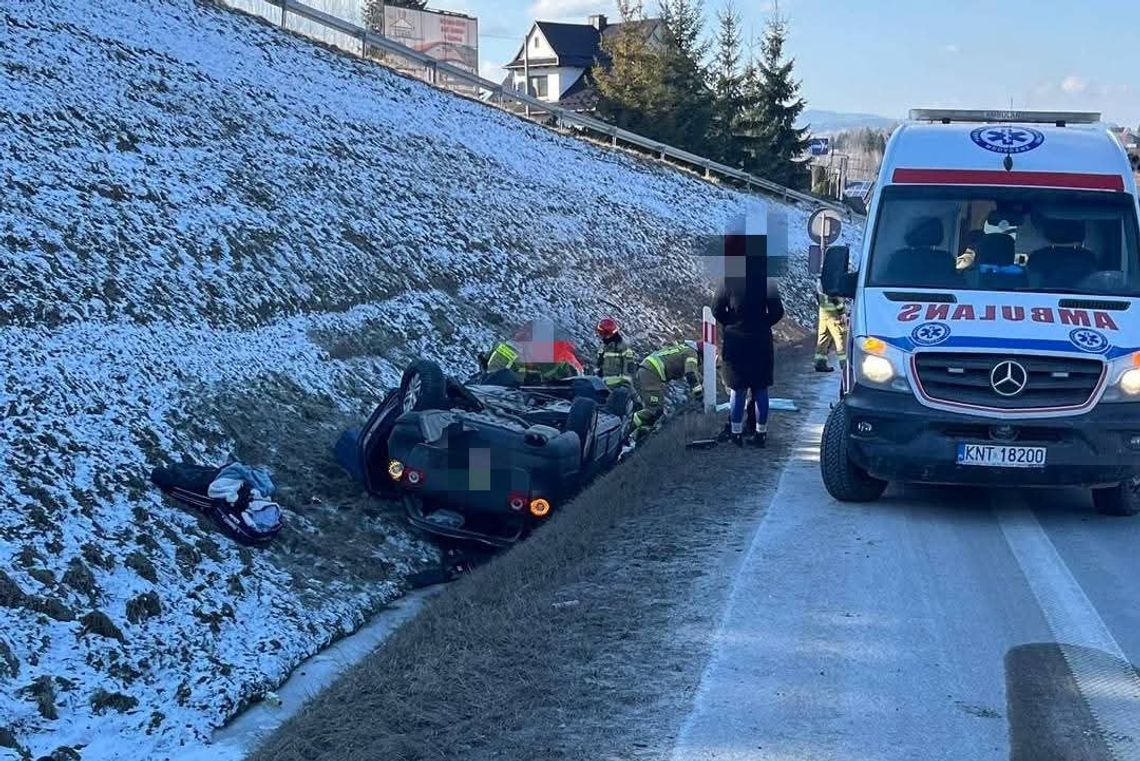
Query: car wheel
x,y
1120,500
843,479
424,387
583,420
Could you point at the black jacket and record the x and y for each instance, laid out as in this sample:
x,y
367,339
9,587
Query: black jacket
x,y
746,317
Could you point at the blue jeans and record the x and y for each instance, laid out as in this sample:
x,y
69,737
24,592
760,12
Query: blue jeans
x,y
738,400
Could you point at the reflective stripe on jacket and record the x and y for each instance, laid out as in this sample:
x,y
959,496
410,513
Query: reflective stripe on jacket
x,y
673,363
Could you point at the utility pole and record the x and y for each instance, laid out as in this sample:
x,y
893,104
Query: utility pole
x,y
526,70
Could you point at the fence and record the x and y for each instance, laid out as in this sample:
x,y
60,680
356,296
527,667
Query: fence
x,y
366,43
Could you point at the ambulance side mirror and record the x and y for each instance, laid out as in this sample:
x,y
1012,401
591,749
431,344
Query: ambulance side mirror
x,y
835,279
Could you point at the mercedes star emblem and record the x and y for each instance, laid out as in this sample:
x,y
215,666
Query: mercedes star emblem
x,y
1008,378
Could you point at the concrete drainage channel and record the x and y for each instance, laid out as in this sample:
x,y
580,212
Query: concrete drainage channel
x,y
241,736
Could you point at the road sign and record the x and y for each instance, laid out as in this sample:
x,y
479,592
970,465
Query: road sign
x,y
819,146
824,227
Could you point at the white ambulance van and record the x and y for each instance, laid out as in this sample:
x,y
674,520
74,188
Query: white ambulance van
x,y
995,328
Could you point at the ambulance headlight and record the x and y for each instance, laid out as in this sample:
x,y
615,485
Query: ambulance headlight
x,y
878,370
879,365
1130,382
1123,380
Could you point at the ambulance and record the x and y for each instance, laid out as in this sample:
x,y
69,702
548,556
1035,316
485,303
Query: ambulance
x,y
995,323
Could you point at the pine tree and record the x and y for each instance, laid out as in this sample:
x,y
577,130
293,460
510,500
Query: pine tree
x,y
630,82
689,107
772,106
728,89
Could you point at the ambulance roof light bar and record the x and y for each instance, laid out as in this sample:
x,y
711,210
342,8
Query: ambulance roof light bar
x,y
948,115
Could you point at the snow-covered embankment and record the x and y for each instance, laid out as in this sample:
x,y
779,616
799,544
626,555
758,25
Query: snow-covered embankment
x,y
218,239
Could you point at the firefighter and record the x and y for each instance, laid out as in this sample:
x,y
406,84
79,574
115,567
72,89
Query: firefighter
x,y
535,361
616,361
832,332
681,361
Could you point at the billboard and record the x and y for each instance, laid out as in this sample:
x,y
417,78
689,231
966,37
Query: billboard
x,y
446,37
819,146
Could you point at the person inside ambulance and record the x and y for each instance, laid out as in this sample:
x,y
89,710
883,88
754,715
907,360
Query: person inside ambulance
x,y
990,260
993,247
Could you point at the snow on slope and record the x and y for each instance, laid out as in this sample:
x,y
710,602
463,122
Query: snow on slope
x,y
216,239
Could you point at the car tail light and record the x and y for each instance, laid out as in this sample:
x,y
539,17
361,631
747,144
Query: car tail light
x,y
396,470
539,508
517,502
414,477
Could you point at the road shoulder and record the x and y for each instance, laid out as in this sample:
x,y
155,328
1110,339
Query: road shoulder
x,y
588,641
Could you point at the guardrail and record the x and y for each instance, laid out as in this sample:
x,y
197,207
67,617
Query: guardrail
x,y
439,72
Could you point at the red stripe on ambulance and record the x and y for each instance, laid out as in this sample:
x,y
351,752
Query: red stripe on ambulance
x,y
1067,180
1081,318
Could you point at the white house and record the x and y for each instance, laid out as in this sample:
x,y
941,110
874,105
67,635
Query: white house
x,y
558,58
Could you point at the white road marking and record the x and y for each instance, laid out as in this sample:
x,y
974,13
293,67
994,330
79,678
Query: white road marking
x,y
1109,685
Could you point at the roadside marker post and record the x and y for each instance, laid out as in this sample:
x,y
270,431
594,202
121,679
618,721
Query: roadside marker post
x,y
708,335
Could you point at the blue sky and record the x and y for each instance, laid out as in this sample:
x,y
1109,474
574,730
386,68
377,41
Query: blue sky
x,y
886,56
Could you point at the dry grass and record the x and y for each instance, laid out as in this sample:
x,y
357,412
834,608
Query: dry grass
x,y
565,645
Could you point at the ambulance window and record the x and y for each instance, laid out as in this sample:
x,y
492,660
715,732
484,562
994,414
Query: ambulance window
x,y
1006,239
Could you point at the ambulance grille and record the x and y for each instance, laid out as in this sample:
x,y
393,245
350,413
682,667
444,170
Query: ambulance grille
x,y
964,378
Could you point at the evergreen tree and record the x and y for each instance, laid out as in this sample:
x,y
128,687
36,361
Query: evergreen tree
x,y
630,81
772,106
728,89
689,100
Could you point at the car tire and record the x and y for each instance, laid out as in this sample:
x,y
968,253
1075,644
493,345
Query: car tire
x,y
1122,500
583,420
843,479
620,403
424,387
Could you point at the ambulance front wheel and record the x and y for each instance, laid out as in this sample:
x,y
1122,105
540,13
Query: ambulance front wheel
x,y
844,480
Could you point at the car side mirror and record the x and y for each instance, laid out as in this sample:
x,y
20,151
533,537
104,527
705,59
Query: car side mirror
x,y
835,279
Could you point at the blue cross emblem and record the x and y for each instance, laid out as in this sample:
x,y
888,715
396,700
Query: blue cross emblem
x,y
1007,136
1088,340
1007,139
930,333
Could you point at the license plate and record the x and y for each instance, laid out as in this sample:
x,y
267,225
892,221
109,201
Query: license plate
x,y
1000,456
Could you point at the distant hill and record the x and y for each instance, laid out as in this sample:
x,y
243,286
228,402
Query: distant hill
x,y
825,122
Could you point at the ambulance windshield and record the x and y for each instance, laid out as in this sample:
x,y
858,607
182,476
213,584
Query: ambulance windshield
x,y
1006,239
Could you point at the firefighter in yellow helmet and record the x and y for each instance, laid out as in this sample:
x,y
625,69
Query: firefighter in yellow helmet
x,y
616,362
680,361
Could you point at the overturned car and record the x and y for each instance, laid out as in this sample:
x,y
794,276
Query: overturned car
x,y
487,459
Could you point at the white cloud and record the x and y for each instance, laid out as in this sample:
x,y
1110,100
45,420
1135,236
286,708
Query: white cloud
x,y
570,10
952,48
1074,85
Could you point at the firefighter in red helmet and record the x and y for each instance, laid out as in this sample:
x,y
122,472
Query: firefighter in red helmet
x,y
616,363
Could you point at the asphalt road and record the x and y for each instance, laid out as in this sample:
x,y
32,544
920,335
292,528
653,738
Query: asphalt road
x,y
933,624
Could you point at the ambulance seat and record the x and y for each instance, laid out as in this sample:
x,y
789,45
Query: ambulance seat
x,y
921,264
1065,262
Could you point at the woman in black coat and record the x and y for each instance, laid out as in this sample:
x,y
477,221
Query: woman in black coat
x,y
747,308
